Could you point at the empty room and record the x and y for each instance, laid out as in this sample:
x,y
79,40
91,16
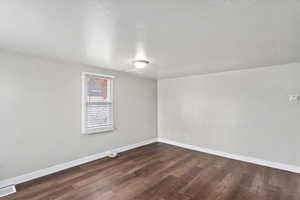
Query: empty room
x,y
150,100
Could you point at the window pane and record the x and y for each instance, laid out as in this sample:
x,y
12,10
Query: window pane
x,y
97,104
99,116
97,89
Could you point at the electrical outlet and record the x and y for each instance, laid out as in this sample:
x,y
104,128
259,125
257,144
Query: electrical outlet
x,y
294,98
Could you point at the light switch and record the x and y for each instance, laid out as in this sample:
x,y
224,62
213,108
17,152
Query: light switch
x,y
294,98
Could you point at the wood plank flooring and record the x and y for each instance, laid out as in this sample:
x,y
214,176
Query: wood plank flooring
x,y
163,172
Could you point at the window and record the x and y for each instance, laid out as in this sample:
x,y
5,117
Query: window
x,y
97,103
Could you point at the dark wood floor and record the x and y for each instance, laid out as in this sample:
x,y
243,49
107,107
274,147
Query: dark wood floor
x,y
163,172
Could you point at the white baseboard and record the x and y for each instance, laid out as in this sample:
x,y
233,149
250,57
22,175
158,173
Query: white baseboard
x,y
136,145
63,166
257,161
67,165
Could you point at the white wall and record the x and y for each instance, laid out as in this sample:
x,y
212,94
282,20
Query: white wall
x,y
241,112
40,113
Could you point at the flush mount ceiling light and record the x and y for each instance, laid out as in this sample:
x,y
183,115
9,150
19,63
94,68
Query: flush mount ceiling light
x,y
140,64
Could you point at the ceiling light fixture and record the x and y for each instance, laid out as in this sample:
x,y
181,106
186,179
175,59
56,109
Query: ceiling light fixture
x,y
140,64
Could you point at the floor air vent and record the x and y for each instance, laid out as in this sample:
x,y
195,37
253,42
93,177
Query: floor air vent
x,y
7,190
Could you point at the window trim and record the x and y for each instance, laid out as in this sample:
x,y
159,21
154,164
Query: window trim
x,y
83,102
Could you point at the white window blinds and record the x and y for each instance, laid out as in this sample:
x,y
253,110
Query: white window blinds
x,y
97,103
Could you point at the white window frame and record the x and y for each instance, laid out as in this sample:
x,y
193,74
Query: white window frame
x,y
84,102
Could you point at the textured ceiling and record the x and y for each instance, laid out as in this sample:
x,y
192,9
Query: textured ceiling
x,y
178,37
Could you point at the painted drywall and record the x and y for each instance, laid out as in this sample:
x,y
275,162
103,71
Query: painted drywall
x,y
240,112
40,113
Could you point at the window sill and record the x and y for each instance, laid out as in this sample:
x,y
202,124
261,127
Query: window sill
x,y
98,131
